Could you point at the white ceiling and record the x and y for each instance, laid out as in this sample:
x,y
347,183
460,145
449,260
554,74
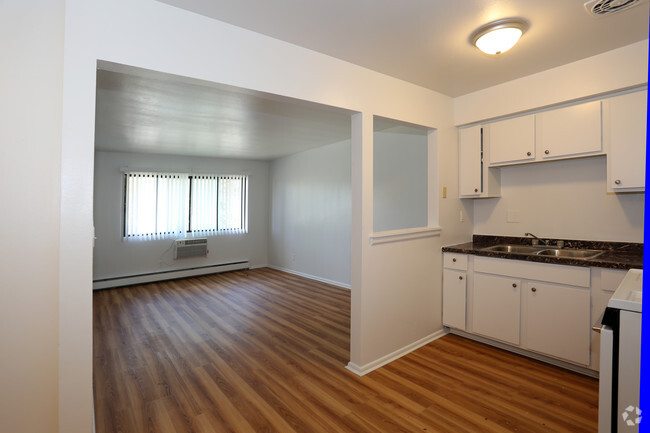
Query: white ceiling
x,y
426,41
421,41
143,111
150,112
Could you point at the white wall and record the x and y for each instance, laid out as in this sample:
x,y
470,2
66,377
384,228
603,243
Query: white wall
x,y
31,78
114,257
399,181
608,72
152,35
561,199
311,213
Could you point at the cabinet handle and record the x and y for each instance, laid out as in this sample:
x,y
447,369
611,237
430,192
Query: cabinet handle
x,y
460,277
617,181
453,260
528,153
514,285
533,289
475,189
546,152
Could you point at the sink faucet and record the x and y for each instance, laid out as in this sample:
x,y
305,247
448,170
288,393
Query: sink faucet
x,y
538,239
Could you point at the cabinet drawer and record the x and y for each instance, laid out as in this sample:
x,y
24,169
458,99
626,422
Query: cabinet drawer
x,y
552,273
455,261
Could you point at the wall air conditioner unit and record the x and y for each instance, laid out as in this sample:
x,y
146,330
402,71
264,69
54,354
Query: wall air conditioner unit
x,y
195,247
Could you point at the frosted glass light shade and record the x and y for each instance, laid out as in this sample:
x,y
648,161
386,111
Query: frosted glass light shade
x,y
498,41
499,36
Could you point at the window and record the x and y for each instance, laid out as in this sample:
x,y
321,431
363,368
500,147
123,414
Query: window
x,y
161,204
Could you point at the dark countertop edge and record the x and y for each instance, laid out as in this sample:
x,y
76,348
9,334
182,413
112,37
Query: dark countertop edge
x,y
613,259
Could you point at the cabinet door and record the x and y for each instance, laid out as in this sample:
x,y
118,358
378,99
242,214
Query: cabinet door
x,y
557,321
512,140
454,289
624,132
469,162
496,307
569,132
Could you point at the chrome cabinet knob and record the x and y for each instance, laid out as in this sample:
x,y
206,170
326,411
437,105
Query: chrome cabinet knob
x,y
460,277
533,289
546,152
475,189
453,260
528,153
514,285
617,181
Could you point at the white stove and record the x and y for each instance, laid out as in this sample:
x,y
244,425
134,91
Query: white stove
x,y
629,293
620,358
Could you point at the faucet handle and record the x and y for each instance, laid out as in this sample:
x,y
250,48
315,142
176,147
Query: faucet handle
x,y
560,244
534,242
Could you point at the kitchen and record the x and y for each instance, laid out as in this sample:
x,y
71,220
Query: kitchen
x,y
539,296
138,39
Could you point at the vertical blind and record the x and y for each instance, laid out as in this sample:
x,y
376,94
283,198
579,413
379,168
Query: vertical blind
x,y
158,205
232,191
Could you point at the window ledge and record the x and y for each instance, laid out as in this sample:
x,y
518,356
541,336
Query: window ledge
x,y
404,235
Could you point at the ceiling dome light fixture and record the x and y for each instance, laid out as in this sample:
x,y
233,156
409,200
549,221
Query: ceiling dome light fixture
x,y
499,36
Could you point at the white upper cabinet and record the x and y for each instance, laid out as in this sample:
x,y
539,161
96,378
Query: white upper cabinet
x,y
624,134
511,141
615,127
469,161
570,131
475,180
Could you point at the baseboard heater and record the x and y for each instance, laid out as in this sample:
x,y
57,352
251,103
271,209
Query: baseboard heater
x,y
151,277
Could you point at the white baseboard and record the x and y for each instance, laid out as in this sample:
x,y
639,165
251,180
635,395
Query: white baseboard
x,y
371,366
169,275
311,277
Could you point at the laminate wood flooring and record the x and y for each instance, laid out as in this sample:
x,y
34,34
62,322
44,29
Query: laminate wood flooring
x,y
265,351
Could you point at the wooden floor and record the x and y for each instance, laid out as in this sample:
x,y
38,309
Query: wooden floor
x,y
265,351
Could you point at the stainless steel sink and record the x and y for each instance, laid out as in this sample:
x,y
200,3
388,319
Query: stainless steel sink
x,y
569,253
542,250
514,249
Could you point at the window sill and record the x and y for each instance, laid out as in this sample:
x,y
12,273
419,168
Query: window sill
x,y
404,235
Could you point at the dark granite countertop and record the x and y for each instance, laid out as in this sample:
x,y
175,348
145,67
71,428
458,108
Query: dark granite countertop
x,y
618,255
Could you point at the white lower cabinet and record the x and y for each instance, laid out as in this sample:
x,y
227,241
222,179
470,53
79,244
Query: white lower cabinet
x,y
496,307
454,298
558,321
540,308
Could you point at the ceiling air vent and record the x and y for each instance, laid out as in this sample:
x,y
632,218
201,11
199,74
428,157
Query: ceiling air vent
x,y
599,8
